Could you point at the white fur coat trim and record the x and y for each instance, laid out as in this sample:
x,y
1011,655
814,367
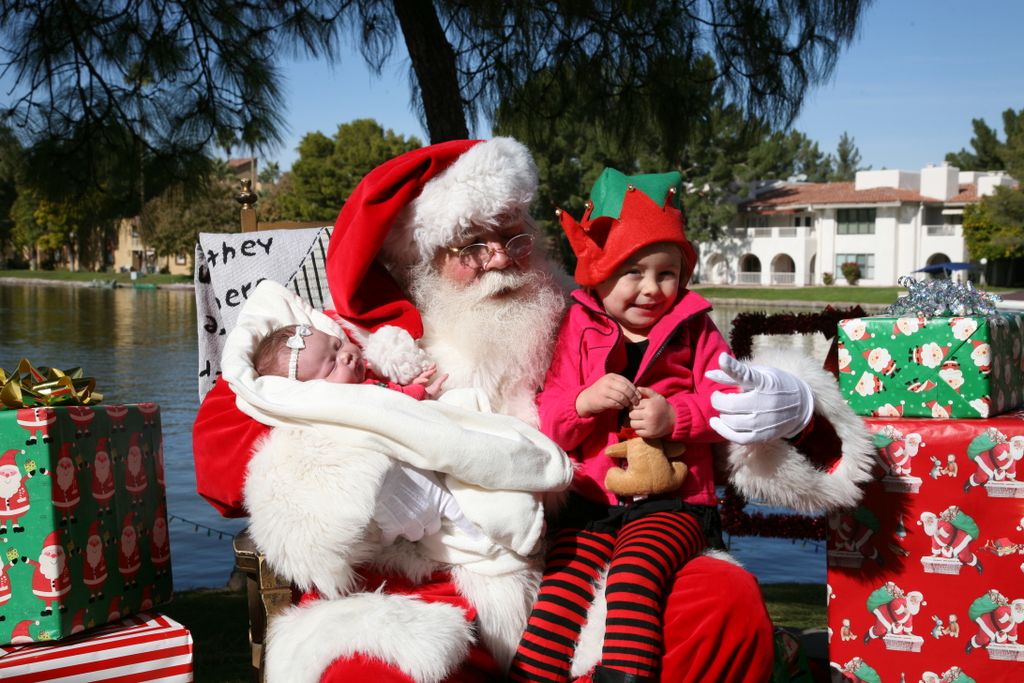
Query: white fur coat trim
x,y
777,473
424,640
493,179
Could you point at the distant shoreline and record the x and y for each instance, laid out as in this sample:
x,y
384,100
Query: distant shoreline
x,y
98,283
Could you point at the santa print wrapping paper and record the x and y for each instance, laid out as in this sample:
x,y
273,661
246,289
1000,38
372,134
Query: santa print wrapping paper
x,y
139,648
940,367
926,576
83,520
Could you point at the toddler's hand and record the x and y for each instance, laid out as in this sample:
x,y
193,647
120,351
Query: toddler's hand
x,y
434,388
611,391
653,417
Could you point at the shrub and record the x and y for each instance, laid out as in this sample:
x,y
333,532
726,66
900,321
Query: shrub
x,y
827,279
851,271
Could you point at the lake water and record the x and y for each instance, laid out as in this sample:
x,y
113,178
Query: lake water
x,y
140,345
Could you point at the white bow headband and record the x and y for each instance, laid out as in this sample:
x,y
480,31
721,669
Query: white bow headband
x,y
296,343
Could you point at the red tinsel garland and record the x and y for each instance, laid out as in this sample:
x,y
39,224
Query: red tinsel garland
x,y
735,520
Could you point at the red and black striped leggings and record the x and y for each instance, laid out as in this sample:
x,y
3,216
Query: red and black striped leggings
x,y
641,560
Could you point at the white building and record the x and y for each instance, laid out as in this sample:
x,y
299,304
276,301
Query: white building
x,y
889,222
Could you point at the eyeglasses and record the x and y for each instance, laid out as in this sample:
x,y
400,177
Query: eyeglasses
x,y
479,255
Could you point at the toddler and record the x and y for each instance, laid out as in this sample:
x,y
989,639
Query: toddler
x,y
630,360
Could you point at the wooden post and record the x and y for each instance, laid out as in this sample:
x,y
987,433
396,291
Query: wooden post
x,y
247,198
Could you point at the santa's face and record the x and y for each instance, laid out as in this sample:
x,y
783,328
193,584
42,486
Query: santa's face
x,y
463,267
855,329
65,473
908,326
980,356
51,561
101,465
929,355
845,359
10,480
963,328
868,384
952,375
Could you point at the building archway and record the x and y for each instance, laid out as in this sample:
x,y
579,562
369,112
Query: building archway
x,y
811,268
750,270
717,270
938,259
783,270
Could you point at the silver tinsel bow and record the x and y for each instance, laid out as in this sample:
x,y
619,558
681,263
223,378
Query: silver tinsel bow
x,y
942,297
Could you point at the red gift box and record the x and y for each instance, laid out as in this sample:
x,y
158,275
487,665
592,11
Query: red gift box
x,y
139,648
926,576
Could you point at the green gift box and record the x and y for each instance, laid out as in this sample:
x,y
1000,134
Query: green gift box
x,y
939,367
83,518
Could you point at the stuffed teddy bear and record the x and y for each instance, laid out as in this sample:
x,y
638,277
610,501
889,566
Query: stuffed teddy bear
x,y
649,469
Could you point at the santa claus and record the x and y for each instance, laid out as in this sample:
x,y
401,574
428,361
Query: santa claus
x,y
159,543
94,569
102,477
128,558
14,500
52,578
66,495
135,478
394,259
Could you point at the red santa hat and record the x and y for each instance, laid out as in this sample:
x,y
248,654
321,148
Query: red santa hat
x,y
129,518
20,633
65,449
102,444
133,440
52,539
409,207
94,529
8,458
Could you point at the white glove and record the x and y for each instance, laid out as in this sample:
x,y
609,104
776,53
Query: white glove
x,y
773,404
412,503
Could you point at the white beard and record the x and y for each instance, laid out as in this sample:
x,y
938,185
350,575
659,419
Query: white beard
x,y
10,485
51,567
93,554
494,334
127,543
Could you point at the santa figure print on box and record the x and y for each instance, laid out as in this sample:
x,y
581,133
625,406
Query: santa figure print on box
x,y
850,538
37,422
880,360
929,355
908,326
894,612
995,464
52,578
94,568
81,417
14,499
982,356
117,414
855,329
65,491
963,328
159,543
952,533
997,620
102,477
135,478
128,559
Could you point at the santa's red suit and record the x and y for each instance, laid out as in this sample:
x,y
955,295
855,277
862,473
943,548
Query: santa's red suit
x,y
14,501
5,583
949,541
135,478
449,623
159,545
892,617
997,626
992,464
128,559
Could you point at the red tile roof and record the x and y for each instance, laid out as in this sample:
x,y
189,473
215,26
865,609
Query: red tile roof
x,y
789,195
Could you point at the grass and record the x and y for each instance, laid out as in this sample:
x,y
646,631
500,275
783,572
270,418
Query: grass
x,y
89,276
217,620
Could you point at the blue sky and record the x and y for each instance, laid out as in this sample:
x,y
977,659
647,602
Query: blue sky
x,y
906,90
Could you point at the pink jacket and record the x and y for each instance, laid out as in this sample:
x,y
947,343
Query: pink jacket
x,y
684,345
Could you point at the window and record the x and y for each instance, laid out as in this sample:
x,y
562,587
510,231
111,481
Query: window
x,y
865,261
180,259
855,222
757,221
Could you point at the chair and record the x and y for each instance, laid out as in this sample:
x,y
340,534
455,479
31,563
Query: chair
x,y
227,266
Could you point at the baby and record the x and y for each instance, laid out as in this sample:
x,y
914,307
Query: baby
x,y
304,353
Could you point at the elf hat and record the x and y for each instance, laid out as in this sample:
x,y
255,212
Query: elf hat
x,y
407,208
624,215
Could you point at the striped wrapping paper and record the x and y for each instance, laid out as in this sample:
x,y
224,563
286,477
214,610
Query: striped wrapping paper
x,y
142,647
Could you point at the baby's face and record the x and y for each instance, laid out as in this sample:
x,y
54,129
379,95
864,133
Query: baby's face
x,y
330,358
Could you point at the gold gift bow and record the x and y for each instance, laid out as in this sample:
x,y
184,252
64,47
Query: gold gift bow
x,y
28,386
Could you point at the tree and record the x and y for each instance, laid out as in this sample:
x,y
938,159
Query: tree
x,y
183,74
171,222
994,227
847,160
328,169
990,153
270,173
